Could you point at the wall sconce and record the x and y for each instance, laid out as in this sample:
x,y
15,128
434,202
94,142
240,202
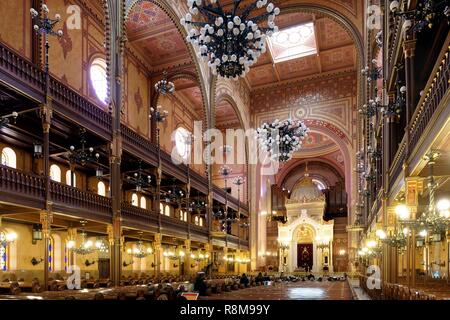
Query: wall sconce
x,y
125,264
36,233
87,263
37,149
35,261
175,265
154,265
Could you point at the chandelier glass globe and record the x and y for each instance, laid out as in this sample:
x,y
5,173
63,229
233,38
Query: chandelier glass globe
x,y
282,138
231,41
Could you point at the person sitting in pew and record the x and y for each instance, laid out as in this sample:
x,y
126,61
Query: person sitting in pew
x,y
140,295
244,280
259,279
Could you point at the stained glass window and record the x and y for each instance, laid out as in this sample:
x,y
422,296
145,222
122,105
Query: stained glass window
x,y
3,257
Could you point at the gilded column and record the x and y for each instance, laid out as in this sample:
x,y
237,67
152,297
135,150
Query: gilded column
x,y
157,246
187,259
46,219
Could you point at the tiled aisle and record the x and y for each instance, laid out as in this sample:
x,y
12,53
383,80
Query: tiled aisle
x,y
290,291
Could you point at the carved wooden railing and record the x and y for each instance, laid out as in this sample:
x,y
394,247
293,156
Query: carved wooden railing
x,y
21,183
434,93
220,195
134,213
133,141
395,40
75,198
74,104
20,68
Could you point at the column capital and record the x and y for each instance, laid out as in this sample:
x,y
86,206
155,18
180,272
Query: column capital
x,y
46,219
409,48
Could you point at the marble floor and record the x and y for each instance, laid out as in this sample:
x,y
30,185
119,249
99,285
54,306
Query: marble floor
x,y
290,291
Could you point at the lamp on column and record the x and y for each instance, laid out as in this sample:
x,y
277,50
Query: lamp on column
x,y
45,26
426,13
6,119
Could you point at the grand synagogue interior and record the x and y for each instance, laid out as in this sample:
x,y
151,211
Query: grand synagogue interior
x,y
295,149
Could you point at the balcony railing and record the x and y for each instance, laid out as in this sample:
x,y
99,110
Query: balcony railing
x,y
144,216
21,69
432,97
220,195
73,104
21,183
75,198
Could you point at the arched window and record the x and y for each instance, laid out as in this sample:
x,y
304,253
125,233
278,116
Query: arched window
x,y
101,189
196,220
182,142
69,179
143,203
161,208
99,79
183,215
55,173
200,220
167,211
9,158
135,200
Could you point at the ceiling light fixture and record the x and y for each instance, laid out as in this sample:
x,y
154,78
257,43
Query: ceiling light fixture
x,y
230,40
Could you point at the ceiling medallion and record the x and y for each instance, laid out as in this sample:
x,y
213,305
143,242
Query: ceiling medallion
x,y
230,40
282,138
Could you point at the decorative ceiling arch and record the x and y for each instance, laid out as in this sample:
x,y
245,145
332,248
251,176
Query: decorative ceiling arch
x,y
288,171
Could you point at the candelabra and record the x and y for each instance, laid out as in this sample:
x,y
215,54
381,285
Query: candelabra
x,y
45,26
164,86
140,179
83,155
425,14
372,73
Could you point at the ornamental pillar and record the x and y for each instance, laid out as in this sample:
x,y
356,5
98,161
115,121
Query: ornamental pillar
x,y
187,259
46,219
157,247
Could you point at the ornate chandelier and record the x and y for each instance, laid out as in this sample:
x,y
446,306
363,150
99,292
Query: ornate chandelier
x,y
282,138
140,251
87,246
230,40
164,86
139,179
83,155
